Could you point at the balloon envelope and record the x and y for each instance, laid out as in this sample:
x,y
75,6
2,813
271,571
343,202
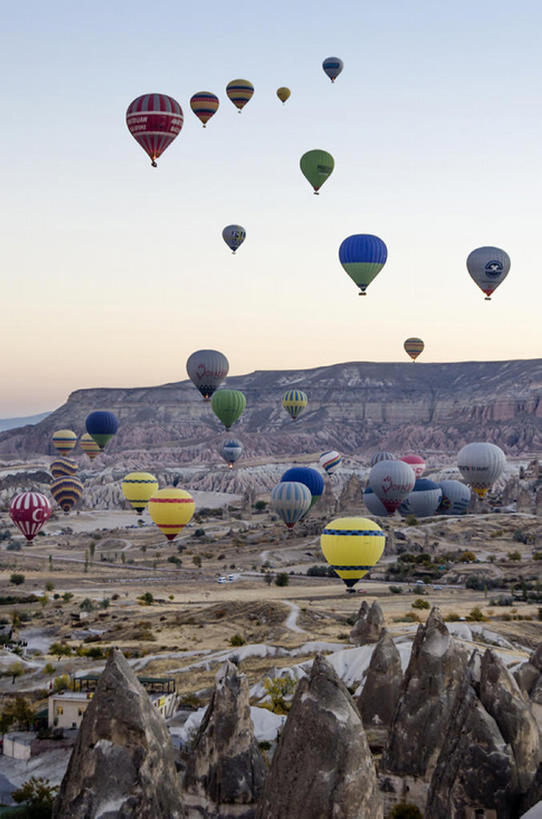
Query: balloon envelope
x,y
29,511
204,104
330,461
154,120
363,256
63,466
234,236
239,92
231,451
316,166
416,462
207,369
101,426
455,498
414,347
332,67
89,446
481,464
228,406
290,500
352,546
138,487
294,402
64,440
66,492
171,509
488,267
383,455
310,477
423,501
391,481
283,93
374,504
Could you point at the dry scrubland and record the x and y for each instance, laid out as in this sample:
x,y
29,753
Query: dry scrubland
x,y
113,566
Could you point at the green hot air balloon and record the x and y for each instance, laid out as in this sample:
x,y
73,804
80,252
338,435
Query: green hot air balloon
x,y
316,166
228,406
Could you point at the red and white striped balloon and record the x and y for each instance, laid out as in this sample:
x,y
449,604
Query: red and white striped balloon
x,y
154,120
29,511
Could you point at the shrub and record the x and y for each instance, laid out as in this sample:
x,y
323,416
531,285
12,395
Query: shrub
x,y
196,560
282,579
86,604
175,559
395,589
146,599
49,586
199,533
321,571
411,520
514,556
17,578
278,690
476,615
467,557
61,683
38,795
260,505
421,604
452,617
237,640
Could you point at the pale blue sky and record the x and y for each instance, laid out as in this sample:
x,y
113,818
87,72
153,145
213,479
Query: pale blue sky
x,y
115,272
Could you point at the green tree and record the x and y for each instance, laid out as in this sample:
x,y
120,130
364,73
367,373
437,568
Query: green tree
x,y
146,599
49,586
60,650
61,683
86,604
67,596
467,557
196,560
282,579
514,556
38,794
15,670
17,578
421,604
268,577
16,713
278,690
260,505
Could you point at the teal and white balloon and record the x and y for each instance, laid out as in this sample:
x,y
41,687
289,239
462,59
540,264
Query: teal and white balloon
x,y
290,500
231,451
455,498
234,236
488,267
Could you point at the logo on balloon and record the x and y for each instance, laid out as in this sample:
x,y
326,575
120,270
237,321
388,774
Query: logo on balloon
x,y
494,269
37,514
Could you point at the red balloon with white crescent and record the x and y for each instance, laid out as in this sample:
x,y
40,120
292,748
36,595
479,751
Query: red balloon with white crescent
x,y
154,120
29,511
416,462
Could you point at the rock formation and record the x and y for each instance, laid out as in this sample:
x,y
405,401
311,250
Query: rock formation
x,y
122,764
226,769
435,671
529,679
322,767
369,626
380,693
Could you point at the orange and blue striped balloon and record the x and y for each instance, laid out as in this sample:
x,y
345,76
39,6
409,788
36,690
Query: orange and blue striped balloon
x,y
414,347
204,104
240,92
66,492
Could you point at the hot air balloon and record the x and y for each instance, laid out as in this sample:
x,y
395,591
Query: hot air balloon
x,y
138,487
332,67
240,92
416,462
228,406
382,456
423,501
231,451
373,504
234,236
290,500
171,509
66,492
488,267
363,256
330,461
154,120
391,481
283,93
316,166
101,426
455,498
481,464
414,347
89,446
29,511
204,105
294,402
310,477
207,369
63,466
352,546
64,440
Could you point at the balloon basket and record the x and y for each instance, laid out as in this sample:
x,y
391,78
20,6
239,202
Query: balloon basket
x,y
487,298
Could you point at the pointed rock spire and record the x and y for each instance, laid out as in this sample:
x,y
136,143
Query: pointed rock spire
x,y
322,766
369,625
122,763
380,693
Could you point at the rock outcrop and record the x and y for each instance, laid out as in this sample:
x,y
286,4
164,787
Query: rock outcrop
x,y
226,770
122,764
529,679
322,767
436,669
369,626
382,687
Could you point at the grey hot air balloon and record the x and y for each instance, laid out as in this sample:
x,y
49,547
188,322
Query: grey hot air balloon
x,y
423,501
373,504
290,500
488,266
231,451
382,456
207,369
481,464
455,498
391,481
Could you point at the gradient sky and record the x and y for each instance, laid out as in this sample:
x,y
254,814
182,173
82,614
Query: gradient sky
x,y
114,272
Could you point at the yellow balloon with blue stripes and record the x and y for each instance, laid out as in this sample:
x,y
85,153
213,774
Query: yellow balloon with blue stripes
x,y
171,509
138,487
294,402
352,546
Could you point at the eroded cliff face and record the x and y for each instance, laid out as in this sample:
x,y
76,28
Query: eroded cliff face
x,y
354,407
